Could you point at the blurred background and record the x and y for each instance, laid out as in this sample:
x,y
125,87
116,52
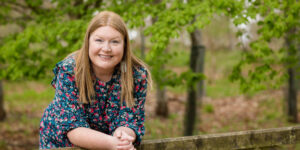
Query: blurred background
x,y
218,66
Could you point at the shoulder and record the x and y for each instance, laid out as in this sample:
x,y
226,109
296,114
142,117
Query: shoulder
x,y
67,65
64,71
140,72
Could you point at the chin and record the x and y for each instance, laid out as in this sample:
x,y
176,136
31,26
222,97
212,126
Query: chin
x,y
107,67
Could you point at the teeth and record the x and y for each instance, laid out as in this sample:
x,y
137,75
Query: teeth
x,y
105,56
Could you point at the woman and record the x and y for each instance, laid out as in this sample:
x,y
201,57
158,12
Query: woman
x,y
100,92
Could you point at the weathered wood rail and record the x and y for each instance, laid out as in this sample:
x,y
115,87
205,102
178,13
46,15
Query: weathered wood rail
x,y
252,139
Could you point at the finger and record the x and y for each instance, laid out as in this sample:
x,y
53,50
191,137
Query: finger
x,y
125,142
132,148
118,134
125,136
125,147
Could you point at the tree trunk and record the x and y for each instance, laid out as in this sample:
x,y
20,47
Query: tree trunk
x,y
200,69
196,65
162,103
199,62
298,68
291,97
2,111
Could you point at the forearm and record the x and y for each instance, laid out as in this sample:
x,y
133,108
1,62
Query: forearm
x,y
91,139
129,131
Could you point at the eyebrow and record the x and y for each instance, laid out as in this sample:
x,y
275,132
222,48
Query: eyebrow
x,y
111,38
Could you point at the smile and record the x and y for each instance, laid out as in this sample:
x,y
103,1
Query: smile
x,y
105,56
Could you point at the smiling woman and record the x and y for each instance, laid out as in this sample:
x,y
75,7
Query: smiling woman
x,y
100,92
106,51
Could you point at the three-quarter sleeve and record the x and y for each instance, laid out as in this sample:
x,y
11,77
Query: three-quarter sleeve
x,y
134,117
67,112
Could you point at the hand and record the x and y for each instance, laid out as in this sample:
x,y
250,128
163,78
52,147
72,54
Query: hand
x,y
124,140
123,136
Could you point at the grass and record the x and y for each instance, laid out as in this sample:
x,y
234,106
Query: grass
x,y
24,104
157,128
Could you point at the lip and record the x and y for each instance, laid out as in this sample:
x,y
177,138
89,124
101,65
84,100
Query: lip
x,y
105,56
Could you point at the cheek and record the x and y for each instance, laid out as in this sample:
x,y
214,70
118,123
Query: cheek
x,y
93,48
92,52
121,51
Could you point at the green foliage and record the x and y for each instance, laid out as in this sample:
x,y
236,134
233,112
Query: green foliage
x,y
51,32
39,47
280,18
54,34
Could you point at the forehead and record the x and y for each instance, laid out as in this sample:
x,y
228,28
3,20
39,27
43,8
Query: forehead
x,y
107,32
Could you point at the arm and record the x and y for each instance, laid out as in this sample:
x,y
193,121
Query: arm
x,y
91,139
131,120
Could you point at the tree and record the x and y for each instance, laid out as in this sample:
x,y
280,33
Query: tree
x,y
291,96
278,19
194,91
162,102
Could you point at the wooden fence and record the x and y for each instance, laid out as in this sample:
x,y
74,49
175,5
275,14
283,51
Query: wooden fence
x,y
253,139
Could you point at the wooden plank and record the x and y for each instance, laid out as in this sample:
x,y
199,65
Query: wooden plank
x,y
235,140
251,139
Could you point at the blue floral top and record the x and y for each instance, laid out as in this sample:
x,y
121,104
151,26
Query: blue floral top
x,y
104,114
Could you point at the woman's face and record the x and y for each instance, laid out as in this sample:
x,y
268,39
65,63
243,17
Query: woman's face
x,y
106,49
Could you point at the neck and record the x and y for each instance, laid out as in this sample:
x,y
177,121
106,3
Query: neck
x,y
103,74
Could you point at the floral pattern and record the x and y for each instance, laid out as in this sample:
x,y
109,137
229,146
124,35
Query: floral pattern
x,y
104,114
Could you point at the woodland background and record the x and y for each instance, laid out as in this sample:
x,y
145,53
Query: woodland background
x,y
218,65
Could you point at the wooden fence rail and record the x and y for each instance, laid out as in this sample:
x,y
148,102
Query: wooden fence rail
x,y
252,139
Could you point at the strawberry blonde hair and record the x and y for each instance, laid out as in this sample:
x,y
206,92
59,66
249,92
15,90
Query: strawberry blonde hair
x,y
84,72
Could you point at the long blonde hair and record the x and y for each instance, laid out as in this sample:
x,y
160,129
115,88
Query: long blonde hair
x,y
84,72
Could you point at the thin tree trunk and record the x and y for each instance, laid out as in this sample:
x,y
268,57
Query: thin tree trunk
x,y
200,60
298,68
143,47
291,97
229,34
190,112
162,103
197,53
200,69
2,111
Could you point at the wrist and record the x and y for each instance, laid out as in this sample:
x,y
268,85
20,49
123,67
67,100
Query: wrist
x,y
113,142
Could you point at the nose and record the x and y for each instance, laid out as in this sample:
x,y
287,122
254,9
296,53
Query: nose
x,y
106,47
